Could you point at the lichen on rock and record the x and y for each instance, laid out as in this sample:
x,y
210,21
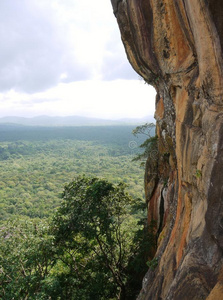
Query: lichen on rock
x,y
176,46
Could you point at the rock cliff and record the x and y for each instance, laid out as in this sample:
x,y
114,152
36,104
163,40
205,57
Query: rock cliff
x,y
176,46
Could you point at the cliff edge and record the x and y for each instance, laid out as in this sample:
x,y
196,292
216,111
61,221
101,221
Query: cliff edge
x,y
176,46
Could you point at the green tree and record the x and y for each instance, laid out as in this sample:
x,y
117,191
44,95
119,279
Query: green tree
x,y
96,247
95,230
26,258
149,146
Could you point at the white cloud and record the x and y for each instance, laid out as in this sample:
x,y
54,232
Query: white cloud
x,y
65,57
40,40
94,98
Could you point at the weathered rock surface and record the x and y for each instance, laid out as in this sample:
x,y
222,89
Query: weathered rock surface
x,y
176,45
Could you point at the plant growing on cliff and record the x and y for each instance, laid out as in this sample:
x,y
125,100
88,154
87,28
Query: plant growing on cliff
x,y
150,144
152,264
198,174
146,129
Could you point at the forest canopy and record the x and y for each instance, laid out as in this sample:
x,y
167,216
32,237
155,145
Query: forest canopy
x,y
36,163
65,235
95,247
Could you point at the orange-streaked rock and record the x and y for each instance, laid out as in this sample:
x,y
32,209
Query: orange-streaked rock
x,y
159,109
177,47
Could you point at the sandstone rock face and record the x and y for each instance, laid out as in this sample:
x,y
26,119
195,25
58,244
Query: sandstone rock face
x,y
176,45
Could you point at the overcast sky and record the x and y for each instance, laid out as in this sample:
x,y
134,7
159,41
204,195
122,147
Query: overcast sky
x,y
65,57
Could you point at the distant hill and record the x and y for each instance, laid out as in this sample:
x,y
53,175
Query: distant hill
x,y
71,121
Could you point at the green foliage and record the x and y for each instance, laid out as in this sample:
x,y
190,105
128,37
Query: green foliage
x,y
34,173
146,129
149,146
97,218
95,247
198,173
26,251
165,182
152,264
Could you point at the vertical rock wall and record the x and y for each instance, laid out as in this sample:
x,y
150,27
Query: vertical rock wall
x,y
176,46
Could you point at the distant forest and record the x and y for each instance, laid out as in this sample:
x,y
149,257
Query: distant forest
x,y
36,162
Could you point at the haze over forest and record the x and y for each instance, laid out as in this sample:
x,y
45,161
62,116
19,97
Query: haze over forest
x,y
72,121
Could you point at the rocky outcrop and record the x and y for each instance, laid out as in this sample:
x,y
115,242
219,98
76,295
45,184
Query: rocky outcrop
x,y
176,46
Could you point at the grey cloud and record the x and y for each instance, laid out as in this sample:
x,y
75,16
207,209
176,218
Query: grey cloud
x,y
117,67
33,52
115,63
